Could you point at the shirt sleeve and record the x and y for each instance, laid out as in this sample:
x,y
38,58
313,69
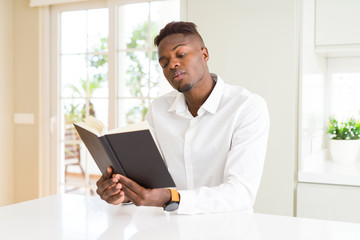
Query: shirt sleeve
x,y
243,169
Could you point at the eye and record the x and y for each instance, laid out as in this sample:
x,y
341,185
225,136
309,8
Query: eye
x,y
164,65
182,55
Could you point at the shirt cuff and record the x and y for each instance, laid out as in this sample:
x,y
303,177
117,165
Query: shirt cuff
x,y
187,202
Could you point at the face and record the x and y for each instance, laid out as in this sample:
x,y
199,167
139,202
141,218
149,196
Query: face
x,y
183,60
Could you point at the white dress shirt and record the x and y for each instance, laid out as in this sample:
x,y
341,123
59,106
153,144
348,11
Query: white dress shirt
x,y
216,158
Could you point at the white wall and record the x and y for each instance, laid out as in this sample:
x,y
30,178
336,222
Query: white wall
x,y
254,44
6,103
26,99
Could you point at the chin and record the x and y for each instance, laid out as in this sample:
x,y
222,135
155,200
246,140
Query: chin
x,y
185,88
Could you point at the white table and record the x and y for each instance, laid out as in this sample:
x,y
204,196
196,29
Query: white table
x,y
81,217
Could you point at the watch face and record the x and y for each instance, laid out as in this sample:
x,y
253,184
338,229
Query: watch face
x,y
172,206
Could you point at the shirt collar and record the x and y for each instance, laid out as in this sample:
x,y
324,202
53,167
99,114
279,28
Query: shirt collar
x,y
211,104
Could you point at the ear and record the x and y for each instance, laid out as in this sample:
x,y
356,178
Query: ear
x,y
205,53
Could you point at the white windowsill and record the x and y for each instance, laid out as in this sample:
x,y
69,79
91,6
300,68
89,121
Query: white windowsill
x,y
319,168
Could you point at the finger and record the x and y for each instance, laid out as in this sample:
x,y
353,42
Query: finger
x,y
129,183
111,192
105,185
132,196
105,176
117,198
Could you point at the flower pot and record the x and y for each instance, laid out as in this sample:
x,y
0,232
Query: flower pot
x,y
344,151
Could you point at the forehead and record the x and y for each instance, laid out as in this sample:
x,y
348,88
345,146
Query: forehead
x,y
173,40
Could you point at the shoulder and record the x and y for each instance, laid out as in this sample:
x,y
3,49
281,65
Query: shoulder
x,y
165,100
243,98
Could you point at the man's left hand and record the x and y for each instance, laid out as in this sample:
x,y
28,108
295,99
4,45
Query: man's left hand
x,y
141,196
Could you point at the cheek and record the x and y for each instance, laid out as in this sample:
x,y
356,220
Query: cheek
x,y
167,74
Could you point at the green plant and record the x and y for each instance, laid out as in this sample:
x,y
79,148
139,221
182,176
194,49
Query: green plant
x,y
87,87
138,82
72,114
347,130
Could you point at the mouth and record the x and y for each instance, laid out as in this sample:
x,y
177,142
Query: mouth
x,y
178,75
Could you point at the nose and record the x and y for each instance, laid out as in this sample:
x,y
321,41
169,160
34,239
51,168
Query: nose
x,y
174,64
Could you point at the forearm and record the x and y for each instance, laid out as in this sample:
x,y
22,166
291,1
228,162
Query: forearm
x,y
230,196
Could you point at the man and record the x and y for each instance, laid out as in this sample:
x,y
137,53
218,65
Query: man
x,y
213,136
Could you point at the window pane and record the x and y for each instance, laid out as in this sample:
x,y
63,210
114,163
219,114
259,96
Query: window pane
x,y
312,113
97,72
73,73
100,109
161,13
98,28
133,25
131,111
134,78
345,95
73,32
72,110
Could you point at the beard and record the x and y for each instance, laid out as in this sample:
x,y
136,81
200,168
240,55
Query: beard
x,y
185,88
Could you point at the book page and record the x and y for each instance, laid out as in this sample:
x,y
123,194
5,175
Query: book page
x,y
88,128
95,124
92,125
131,128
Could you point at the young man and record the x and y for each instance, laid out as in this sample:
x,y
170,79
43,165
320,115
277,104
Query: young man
x,y
213,136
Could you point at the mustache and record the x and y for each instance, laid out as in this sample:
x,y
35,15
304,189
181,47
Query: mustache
x,y
178,73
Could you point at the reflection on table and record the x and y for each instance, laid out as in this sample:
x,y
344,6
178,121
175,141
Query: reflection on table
x,y
84,217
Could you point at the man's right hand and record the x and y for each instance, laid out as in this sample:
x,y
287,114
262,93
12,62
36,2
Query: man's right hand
x,y
109,189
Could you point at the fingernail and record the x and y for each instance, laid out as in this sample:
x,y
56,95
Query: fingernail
x,y
115,180
117,176
109,169
118,186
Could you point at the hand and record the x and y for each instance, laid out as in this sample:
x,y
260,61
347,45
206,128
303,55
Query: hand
x,y
141,196
109,189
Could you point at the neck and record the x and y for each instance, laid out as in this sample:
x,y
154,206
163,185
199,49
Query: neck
x,y
199,93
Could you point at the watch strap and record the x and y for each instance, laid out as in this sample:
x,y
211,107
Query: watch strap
x,y
175,196
173,204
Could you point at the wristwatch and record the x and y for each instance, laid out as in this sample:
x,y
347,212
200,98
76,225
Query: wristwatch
x,y
173,204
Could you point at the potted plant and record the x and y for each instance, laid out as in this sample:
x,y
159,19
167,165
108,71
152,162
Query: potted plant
x,y
345,140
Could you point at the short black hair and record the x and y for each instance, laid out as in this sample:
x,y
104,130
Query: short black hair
x,y
185,28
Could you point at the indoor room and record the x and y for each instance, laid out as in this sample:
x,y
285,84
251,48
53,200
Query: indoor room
x,y
67,61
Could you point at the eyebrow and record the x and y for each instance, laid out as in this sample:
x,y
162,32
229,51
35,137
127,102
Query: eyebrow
x,y
181,44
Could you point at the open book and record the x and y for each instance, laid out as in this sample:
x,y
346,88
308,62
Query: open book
x,y
131,151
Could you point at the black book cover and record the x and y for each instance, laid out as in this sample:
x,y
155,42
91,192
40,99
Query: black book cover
x,y
132,154
100,151
141,158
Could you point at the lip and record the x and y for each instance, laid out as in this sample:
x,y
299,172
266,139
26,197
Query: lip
x,y
178,75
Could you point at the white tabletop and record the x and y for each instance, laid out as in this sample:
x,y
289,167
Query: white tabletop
x,y
81,217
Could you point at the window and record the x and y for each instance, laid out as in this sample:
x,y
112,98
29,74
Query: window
x,y
139,74
329,86
345,94
335,92
106,67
